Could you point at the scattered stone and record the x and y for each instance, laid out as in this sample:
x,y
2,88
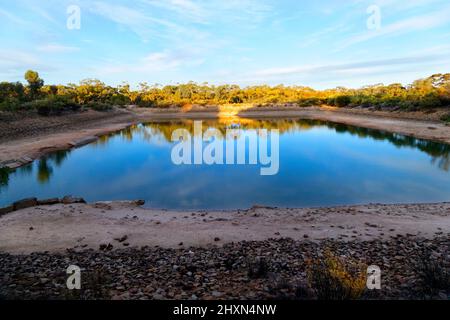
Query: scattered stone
x,y
371,225
220,272
106,247
6,210
48,202
83,141
25,203
216,294
13,165
72,200
122,239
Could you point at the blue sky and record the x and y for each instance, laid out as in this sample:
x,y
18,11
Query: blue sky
x,y
322,43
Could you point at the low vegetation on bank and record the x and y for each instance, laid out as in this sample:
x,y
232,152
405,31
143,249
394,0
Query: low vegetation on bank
x,y
424,94
273,269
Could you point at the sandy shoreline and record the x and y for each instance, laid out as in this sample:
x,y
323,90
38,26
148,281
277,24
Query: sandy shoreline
x,y
80,226
19,150
58,227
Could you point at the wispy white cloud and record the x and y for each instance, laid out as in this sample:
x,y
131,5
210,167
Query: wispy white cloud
x,y
187,8
330,73
42,12
322,35
12,17
327,68
400,5
13,63
408,25
153,62
57,48
186,13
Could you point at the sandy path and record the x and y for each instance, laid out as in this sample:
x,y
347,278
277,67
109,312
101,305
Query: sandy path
x,y
55,228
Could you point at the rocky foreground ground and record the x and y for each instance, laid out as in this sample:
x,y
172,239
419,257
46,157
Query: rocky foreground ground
x,y
411,268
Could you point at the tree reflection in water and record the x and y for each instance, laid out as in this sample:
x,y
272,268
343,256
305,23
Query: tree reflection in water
x,y
4,176
44,166
439,152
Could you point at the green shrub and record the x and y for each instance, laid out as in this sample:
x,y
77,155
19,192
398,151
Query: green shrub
x,y
309,102
144,103
236,99
342,101
331,101
53,105
98,106
119,100
429,101
10,104
446,118
407,105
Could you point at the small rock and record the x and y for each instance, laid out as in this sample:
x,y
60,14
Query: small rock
x,y
83,141
122,239
71,200
6,210
139,202
25,203
48,202
216,294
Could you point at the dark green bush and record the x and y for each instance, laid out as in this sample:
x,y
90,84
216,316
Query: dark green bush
x,y
331,101
119,100
342,101
429,101
446,117
309,102
10,104
236,99
53,105
145,103
98,106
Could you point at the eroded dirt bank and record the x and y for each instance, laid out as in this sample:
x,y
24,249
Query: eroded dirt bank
x,y
23,140
125,224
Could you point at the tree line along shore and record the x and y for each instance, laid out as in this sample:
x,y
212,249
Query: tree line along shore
x,y
422,95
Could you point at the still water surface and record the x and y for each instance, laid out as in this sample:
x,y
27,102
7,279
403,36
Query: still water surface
x,y
321,164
